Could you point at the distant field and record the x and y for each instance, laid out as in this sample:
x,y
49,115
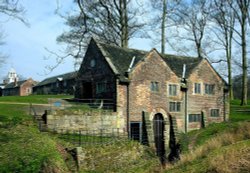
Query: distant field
x,y
42,99
239,113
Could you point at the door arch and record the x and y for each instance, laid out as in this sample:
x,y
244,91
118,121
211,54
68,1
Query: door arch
x,y
159,128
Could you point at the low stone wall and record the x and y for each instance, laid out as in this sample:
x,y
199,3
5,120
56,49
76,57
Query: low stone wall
x,y
61,120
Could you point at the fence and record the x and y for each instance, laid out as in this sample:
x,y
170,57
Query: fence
x,y
94,137
82,121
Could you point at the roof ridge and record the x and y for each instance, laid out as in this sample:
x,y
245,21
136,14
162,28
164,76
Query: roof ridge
x,y
60,75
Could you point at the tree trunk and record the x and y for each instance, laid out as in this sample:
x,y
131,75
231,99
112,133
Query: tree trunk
x,y
229,62
163,20
244,56
124,23
244,61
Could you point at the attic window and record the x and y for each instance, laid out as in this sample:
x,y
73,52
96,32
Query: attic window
x,y
92,63
154,86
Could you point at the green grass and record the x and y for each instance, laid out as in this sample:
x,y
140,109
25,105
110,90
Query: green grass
x,y
12,114
23,147
220,147
239,113
42,99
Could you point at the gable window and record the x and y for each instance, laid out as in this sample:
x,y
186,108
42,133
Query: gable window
x,y
92,63
194,118
197,88
209,89
101,87
174,106
172,88
154,86
215,113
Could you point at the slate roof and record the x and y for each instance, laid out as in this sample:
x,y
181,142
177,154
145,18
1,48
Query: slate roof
x,y
53,79
122,57
12,84
176,63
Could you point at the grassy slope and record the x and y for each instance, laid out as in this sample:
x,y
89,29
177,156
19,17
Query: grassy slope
x,y
222,147
43,99
23,147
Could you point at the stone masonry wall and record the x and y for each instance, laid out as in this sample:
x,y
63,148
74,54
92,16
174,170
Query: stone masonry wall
x,y
62,120
204,74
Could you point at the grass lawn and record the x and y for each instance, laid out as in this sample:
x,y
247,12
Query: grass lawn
x,y
23,147
42,99
239,113
220,147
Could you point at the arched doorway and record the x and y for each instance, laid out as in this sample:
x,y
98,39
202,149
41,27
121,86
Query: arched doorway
x,y
158,126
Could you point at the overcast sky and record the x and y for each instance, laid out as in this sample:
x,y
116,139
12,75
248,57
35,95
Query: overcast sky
x,y
25,46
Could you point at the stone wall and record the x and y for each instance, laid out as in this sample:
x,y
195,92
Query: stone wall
x,y
197,103
62,120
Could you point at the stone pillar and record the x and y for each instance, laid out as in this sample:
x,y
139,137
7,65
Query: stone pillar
x,y
150,131
166,135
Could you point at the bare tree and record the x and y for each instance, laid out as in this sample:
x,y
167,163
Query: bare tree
x,y
224,17
165,8
192,16
112,21
241,10
109,20
12,8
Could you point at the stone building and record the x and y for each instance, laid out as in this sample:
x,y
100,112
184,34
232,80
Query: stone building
x,y
157,95
19,88
60,84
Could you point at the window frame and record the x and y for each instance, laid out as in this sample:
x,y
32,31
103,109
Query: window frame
x,y
174,106
209,89
101,87
196,118
154,86
196,88
172,92
215,112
